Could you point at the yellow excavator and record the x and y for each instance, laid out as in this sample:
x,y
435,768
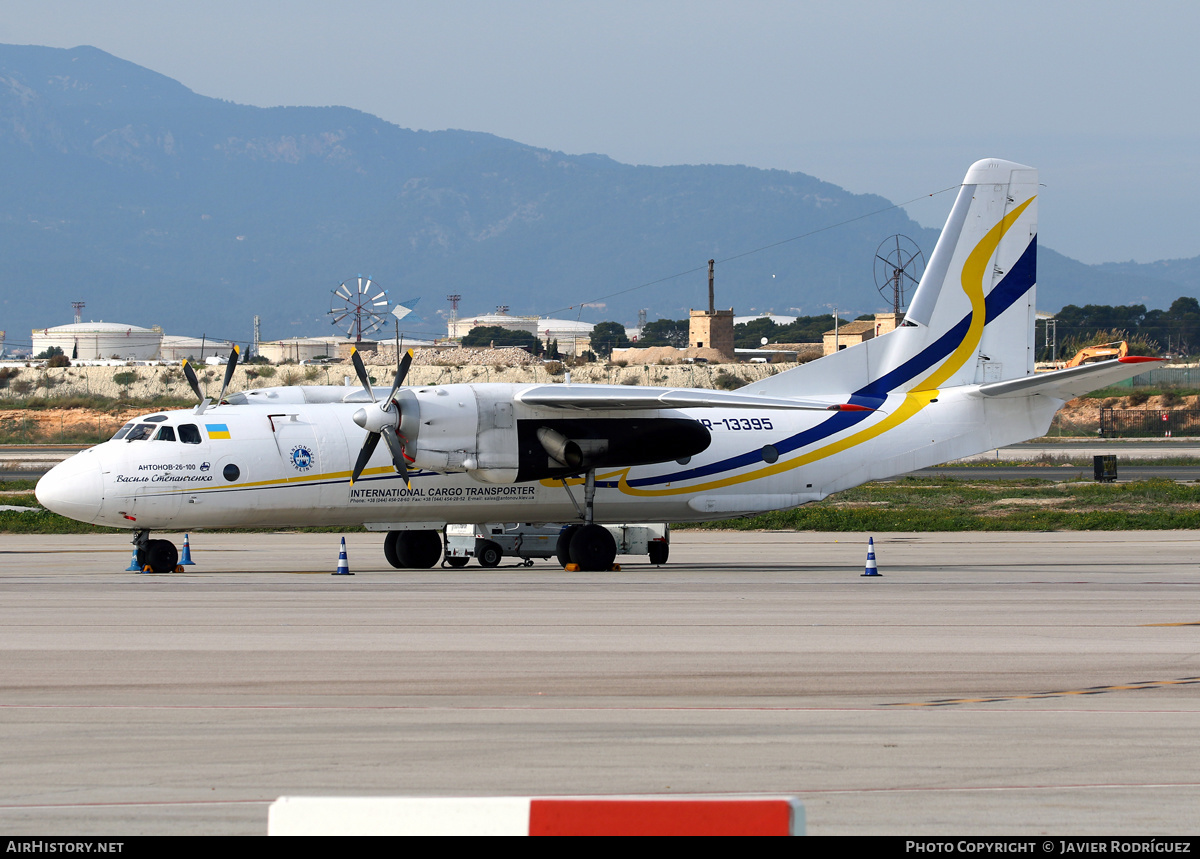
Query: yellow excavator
x,y
1100,352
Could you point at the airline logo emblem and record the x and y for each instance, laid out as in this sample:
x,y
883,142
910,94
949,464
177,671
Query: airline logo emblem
x,y
302,458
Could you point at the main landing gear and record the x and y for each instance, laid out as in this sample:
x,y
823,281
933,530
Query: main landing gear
x,y
590,547
413,550
155,556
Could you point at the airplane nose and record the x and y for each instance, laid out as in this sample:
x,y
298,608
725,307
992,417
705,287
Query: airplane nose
x,y
73,488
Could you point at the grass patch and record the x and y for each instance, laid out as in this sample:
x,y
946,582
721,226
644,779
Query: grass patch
x,y
1054,460
945,504
98,403
909,504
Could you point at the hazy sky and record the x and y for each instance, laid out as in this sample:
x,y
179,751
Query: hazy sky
x,y
895,99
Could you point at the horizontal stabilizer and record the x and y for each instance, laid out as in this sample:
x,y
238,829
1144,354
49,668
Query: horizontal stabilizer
x,y
1072,382
626,397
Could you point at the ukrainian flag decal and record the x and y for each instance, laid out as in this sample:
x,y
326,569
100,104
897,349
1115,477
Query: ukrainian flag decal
x,y
217,431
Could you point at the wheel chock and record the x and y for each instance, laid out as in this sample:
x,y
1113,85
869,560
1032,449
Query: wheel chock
x,y
572,568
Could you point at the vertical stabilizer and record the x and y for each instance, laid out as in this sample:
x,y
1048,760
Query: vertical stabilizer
x,y
971,319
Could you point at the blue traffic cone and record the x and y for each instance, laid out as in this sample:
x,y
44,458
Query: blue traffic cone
x,y
343,568
133,564
871,570
186,559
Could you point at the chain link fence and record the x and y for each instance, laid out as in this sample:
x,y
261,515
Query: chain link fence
x,y
1148,423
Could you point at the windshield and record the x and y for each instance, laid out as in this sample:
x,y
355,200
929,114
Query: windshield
x,y
141,432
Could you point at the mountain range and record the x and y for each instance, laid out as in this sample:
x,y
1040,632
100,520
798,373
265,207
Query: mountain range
x,y
124,189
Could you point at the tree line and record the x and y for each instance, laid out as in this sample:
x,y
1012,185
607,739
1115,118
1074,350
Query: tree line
x,y
1174,332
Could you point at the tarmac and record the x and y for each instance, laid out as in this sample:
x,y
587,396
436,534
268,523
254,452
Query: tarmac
x,y
985,684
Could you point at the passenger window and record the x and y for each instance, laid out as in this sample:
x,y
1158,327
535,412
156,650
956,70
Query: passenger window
x,y
165,433
123,431
140,432
189,434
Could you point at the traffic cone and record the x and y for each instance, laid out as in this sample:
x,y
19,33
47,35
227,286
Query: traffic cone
x,y
343,568
186,559
871,570
133,564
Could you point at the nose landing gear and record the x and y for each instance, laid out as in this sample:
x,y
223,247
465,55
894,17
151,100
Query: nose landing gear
x,y
155,556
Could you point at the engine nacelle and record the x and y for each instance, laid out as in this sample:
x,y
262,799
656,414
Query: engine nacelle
x,y
455,428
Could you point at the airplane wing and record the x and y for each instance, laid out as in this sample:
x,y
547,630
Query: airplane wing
x,y
1070,383
627,397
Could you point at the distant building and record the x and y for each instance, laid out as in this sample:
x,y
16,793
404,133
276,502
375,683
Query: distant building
x,y
712,329
777,319
297,349
462,327
860,331
572,335
175,348
89,341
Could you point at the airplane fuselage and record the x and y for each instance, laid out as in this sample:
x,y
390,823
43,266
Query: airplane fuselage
x,y
266,465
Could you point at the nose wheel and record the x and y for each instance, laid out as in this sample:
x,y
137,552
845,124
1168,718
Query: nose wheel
x,y
155,556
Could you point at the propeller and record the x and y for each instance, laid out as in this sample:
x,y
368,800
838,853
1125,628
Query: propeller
x,y
229,368
190,375
383,422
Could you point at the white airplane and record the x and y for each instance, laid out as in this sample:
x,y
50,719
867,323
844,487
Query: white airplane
x,y
956,378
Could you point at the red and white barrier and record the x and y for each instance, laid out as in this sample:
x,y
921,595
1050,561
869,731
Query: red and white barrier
x,y
501,815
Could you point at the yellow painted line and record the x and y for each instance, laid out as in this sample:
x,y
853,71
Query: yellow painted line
x,y
1185,623
1097,690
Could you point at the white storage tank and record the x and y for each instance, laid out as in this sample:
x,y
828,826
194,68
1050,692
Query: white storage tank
x,y
89,341
176,348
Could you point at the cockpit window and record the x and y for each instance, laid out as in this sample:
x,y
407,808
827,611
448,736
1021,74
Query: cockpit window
x,y
140,432
189,434
155,419
123,430
165,433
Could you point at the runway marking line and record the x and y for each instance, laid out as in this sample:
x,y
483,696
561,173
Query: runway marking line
x,y
1092,690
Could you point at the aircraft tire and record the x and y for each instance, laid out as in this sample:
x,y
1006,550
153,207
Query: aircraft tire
x,y
593,548
457,562
418,550
389,549
562,549
658,553
161,555
490,555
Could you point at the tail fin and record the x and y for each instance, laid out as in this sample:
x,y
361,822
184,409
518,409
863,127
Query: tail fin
x,y
971,319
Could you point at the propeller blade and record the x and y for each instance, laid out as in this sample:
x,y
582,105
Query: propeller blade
x,y
401,372
405,363
229,368
396,448
190,375
361,369
364,455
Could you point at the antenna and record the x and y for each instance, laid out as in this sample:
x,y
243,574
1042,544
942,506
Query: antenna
x,y
78,306
899,265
